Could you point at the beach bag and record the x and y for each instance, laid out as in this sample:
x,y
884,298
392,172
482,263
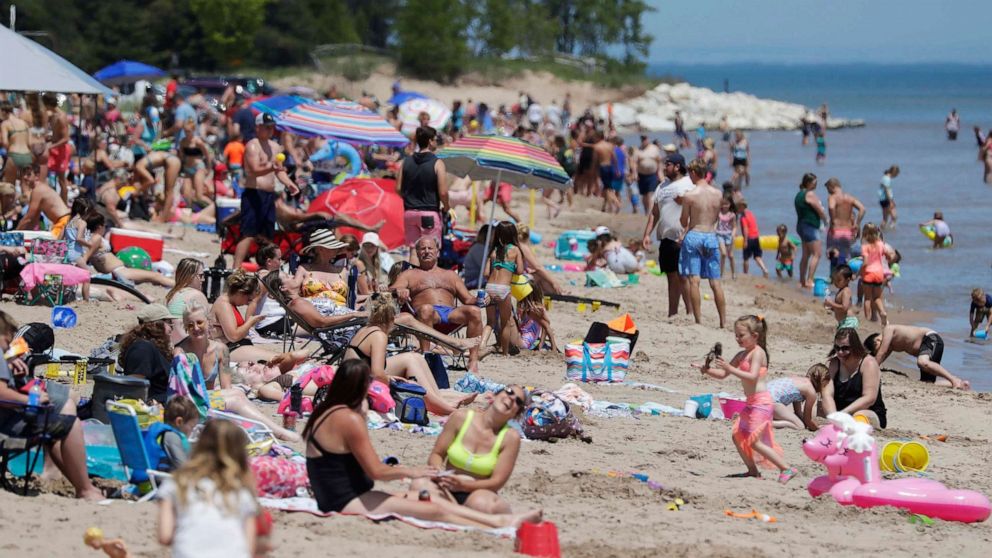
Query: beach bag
x,y
548,417
438,370
410,405
597,362
278,477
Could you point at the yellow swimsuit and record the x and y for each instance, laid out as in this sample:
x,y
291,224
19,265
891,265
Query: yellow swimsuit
x,y
480,465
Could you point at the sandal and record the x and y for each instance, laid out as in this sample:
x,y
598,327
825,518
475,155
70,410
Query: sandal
x,y
786,475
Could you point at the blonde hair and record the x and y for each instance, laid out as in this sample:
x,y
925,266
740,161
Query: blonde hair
x,y
186,271
242,282
819,376
870,233
382,310
221,456
757,325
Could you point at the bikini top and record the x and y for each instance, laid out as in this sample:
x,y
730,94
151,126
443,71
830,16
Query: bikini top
x,y
239,320
362,355
481,465
745,365
510,266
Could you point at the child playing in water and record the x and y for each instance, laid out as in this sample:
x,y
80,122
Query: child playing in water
x,y
941,231
726,226
821,148
841,305
981,310
875,253
786,252
752,238
752,432
795,398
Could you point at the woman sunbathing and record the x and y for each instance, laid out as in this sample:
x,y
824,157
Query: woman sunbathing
x,y
104,261
369,345
479,451
230,325
342,463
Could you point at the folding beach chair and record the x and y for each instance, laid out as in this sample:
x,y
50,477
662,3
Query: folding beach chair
x,y
29,446
454,357
131,445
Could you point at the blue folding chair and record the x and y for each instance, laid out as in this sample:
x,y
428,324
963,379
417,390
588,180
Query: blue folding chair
x,y
13,446
131,444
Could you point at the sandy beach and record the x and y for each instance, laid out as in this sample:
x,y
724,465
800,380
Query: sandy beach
x,y
596,515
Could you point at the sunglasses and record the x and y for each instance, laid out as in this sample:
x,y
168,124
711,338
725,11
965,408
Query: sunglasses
x,y
518,398
842,348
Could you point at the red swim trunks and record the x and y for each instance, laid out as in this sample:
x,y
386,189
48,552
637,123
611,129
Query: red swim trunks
x,y
58,158
505,193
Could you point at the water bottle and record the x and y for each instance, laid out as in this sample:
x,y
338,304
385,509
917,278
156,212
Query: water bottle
x,y
296,399
34,398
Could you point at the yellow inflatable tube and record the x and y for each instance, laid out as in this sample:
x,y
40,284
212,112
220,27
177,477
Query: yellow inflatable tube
x,y
767,242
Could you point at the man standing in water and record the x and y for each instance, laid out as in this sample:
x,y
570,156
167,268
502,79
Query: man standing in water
x,y
666,213
265,179
700,254
59,150
844,227
604,159
648,161
952,125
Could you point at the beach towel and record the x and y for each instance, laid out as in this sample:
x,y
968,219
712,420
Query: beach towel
x,y
603,278
34,274
279,477
186,379
309,505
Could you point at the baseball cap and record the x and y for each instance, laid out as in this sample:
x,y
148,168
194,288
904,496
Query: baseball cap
x,y
670,147
371,238
153,313
601,230
676,159
264,118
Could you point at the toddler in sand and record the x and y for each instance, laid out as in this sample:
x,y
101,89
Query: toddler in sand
x,y
841,305
795,398
752,432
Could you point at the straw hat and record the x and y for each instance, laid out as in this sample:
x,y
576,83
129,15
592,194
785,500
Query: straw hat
x,y
324,238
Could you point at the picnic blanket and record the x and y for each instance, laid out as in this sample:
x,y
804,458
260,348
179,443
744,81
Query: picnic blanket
x,y
309,505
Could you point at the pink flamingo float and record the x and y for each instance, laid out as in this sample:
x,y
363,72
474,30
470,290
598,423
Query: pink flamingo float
x,y
848,451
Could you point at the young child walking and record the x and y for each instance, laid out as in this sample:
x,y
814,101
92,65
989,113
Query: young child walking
x,y
726,227
842,304
752,433
208,508
786,253
752,237
876,255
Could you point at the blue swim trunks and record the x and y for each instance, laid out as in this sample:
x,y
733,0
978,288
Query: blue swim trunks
x,y
700,255
443,312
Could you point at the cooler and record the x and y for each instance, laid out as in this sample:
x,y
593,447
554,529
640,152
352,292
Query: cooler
x,y
226,207
149,242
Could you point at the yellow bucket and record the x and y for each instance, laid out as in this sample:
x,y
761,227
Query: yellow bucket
x,y
890,452
912,456
520,287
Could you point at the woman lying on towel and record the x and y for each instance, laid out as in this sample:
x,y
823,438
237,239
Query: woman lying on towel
x,y
480,450
342,464
286,289
369,345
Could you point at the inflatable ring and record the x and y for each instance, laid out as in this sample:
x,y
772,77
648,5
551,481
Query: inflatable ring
x,y
334,149
930,233
767,242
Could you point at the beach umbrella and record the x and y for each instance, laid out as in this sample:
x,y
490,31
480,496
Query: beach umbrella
x,y
28,66
410,112
345,121
127,71
369,201
403,96
503,159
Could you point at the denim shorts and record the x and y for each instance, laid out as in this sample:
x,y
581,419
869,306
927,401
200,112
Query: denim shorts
x,y
807,232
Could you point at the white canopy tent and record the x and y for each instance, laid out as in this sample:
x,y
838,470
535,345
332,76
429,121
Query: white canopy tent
x,y
27,66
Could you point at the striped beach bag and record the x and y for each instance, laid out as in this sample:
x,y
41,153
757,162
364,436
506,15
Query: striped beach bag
x,y
597,362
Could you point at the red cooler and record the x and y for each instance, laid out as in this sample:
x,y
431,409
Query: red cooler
x,y
149,242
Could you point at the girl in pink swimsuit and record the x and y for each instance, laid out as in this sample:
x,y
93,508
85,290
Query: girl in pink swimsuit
x,y
753,428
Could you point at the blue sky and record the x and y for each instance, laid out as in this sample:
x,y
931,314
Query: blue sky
x,y
820,31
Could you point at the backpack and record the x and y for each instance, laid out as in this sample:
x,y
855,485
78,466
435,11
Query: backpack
x,y
410,405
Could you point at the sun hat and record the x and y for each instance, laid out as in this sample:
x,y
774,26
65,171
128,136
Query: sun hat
x,y
372,238
670,147
153,313
324,238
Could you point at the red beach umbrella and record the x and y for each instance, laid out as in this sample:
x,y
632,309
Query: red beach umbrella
x,y
369,201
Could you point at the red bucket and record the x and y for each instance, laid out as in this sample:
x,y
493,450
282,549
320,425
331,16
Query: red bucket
x,y
538,539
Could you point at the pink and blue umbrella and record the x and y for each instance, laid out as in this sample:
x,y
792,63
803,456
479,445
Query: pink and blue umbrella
x,y
338,120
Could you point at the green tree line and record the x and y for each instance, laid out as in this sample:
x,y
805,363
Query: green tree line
x,y
431,38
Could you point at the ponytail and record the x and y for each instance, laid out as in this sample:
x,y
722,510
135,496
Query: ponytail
x,y
758,326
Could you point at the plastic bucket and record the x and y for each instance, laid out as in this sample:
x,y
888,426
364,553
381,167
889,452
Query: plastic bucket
x,y
731,407
912,456
538,539
887,460
63,317
633,279
520,287
820,286
705,404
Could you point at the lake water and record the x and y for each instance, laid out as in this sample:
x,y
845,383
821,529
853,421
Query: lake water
x,y
904,107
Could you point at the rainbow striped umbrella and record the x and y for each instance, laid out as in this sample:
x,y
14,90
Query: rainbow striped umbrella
x,y
504,159
340,120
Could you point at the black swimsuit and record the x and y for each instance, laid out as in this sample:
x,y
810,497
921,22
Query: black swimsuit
x,y
336,478
361,354
848,392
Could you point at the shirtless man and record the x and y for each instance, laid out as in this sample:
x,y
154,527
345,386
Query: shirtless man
x,y
603,159
14,134
144,171
59,150
844,226
925,344
700,253
265,179
42,201
431,291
